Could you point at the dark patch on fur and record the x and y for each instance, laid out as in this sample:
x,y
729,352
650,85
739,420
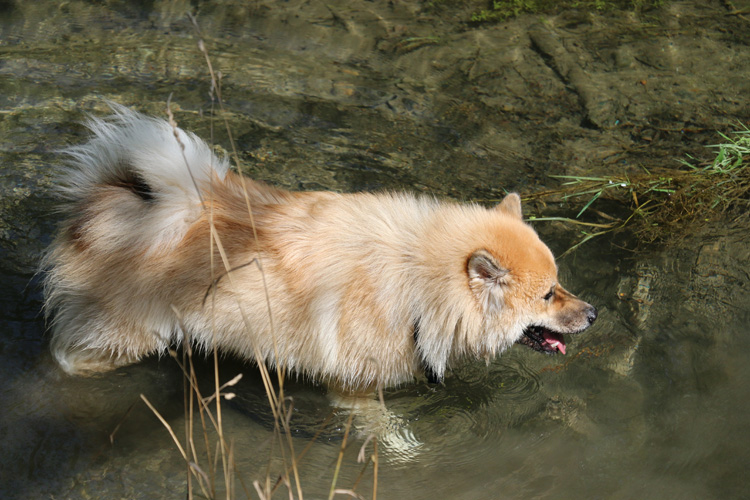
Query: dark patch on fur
x,y
137,184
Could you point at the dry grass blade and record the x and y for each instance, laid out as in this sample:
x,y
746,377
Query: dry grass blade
x,y
375,463
363,450
568,220
278,403
192,465
119,424
341,456
259,490
167,426
305,449
231,383
209,408
182,148
348,493
362,458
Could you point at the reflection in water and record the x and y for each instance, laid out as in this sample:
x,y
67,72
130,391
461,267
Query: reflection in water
x,y
385,95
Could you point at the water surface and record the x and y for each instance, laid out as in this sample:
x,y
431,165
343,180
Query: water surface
x,y
649,403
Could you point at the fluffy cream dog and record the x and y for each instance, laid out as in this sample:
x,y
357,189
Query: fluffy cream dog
x,y
359,290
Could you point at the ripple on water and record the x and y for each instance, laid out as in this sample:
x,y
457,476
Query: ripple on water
x,y
475,404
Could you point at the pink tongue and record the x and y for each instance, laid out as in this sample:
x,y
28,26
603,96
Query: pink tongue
x,y
554,340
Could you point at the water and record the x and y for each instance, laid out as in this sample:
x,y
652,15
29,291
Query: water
x,y
649,403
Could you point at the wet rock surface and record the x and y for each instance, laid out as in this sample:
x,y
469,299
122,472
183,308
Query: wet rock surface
x,y
362,95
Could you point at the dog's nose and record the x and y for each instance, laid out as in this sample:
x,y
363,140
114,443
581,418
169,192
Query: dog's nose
x,y
591,314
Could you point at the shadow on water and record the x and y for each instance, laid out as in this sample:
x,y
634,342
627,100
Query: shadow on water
x,y
650,403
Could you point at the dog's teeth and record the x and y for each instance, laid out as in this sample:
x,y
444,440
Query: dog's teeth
x,y
554,340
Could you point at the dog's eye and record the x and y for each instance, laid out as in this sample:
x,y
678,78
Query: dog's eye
x,y
550,294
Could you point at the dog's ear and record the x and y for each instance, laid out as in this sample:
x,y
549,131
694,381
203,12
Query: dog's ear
x,y
483,267
511,205
487,279
484,271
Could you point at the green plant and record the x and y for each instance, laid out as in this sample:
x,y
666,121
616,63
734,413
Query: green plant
x,y
660,202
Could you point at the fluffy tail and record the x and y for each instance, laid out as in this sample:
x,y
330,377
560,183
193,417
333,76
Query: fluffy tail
x,y
147,155
133,190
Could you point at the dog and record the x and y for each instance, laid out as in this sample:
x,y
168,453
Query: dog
x,y
160,240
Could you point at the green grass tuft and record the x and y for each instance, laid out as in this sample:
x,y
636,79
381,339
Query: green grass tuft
x,y
661,205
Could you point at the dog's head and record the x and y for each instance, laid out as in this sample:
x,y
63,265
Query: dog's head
x,y
514,281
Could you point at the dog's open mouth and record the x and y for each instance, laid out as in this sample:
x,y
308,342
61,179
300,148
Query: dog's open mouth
x,y
543,340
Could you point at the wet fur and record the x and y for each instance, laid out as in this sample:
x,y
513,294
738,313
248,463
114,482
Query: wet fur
x,y
347,278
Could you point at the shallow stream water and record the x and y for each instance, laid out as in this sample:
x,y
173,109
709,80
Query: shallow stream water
x,y
651,402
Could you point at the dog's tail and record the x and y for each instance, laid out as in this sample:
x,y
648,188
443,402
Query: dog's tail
x,y
132,191
164,166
